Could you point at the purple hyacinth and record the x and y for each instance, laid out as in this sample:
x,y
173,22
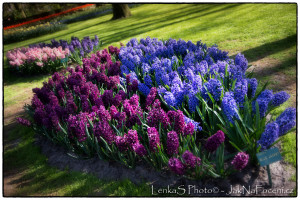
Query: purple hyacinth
x,y
189,129
153,137
113,111
76,126
107,98
157,116
190,159
132,137
103,129
176,166
269,136
177,119
240,161
139,149
24,122
286,120
197,126
172,143
121,143
229,107
151,96
279,98
214,141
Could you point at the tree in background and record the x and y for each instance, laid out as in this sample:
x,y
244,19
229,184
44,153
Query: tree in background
x,y
120,11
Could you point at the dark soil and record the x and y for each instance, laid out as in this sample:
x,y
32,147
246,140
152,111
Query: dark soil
x,y
252,181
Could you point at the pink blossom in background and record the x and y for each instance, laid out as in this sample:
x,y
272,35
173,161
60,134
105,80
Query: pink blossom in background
x,y
39,56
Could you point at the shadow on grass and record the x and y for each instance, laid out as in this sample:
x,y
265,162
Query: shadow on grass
x,y
197,11
268,73
267,49
9,78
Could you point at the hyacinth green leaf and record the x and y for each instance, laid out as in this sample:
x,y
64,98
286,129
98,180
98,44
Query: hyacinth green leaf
x,y
98,149
233,85
219,117
201,116
235,146
261,90
106,145
237,126
257,115
117,130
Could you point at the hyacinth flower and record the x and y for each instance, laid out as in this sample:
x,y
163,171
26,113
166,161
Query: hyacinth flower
x,y
78,48
214,141
168,65
36,60
286,120
269,136
240,161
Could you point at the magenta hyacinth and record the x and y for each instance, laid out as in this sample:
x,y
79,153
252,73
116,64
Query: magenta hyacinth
x,y
189,129
214,141
151,96
172,143
240,161
176,166
139,149
121,143
154,140
24,122
132,137
190,159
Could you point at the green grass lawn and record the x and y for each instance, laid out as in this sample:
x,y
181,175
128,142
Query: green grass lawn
x,y
265,33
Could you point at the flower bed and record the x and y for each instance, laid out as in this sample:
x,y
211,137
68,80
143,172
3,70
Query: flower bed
x,y
78,49
210,88
24,33
175,104
36,60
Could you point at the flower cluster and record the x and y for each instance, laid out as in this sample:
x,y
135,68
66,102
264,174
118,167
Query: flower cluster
x,y
96,107
35,60
23,33
83,47
240,161
214,141
178,68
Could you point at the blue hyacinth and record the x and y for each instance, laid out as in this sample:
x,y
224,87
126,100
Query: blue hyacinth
x,y
279,98
170,99
214,87
269,136
144,88
229,106
240,90
252,86
196,124
263,102
241,61
286,120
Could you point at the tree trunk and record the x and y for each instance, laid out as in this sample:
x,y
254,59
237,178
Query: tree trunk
x,y
120,11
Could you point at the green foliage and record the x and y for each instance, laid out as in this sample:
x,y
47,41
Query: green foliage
x,y
20,34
